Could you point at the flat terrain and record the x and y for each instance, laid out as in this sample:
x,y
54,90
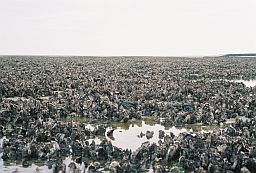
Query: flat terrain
x,y
127,114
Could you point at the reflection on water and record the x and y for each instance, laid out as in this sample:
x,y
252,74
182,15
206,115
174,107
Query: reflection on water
x,y
34,168
125,136
248,83
17,167
130,139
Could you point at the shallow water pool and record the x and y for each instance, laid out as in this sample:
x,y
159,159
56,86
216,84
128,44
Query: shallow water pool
x,y
125,136
130,139
248,83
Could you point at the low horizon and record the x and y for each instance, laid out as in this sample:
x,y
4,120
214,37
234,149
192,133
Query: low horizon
x,y
56,55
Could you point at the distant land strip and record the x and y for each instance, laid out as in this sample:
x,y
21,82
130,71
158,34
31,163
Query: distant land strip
x,y
240,55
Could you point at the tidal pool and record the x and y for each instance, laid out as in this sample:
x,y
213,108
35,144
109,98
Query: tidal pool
x,y
248,83
125,136
130,139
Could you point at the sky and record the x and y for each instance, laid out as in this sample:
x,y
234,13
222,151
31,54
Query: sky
x,y
127,27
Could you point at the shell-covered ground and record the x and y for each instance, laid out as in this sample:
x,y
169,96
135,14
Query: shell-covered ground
x,y
127,114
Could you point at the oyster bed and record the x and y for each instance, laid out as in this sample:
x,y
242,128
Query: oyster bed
x,y
127,114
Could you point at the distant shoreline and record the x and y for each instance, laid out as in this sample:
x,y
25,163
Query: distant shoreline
x,y
246,55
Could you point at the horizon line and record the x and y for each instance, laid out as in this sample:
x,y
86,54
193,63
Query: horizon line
x,y
60,55
73,55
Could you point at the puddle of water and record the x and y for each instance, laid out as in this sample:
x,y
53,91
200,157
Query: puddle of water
x,y
125,136
128,139
15,168
248,83
18,168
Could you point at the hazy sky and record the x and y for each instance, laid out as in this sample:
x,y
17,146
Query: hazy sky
x,y
127,27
